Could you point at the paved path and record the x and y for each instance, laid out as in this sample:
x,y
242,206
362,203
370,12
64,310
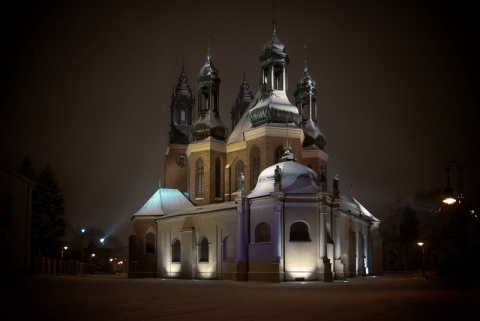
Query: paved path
x,y
405,297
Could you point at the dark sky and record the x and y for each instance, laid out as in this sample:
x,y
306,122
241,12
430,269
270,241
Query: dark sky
x,y
86,87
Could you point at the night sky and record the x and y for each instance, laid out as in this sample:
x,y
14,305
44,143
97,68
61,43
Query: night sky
x,y
86,87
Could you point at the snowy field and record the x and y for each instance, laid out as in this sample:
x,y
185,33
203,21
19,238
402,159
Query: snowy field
x,y
114,297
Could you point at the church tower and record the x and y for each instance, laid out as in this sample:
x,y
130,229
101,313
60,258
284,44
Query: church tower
x,y
244,98
207,152
274,106
181,111
313,154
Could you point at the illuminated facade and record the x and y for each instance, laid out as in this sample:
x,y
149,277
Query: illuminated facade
x,y
252,205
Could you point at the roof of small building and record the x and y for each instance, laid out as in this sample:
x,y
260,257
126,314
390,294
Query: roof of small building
x,y
164,201
351,205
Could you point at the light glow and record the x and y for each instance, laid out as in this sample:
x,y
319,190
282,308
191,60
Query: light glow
x,y
420,243
449,200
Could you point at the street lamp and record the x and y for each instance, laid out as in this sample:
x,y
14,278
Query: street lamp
x,y
82,241
421,244
461,220
64,248
449,189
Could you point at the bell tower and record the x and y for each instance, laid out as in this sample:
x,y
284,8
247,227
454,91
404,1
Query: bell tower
x,y
207,151
313,154
181,117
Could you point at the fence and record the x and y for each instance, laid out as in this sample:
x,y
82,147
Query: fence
x,y
47,266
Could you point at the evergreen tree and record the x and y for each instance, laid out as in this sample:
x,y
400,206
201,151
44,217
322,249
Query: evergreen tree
x,y
26,169
400,236
48,210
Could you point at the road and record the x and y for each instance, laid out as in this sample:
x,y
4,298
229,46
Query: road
x,y
405,297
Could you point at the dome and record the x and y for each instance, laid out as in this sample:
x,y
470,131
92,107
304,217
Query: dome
x,y
208,68
274,51
295,178
182,88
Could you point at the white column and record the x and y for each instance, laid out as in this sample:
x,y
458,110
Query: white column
x,y
366,252
338,247
277,238
241,230
284,76
272,78
323,236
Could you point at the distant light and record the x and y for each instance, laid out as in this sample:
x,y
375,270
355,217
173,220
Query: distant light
x,y
420,243
65,247
102,240
83,230
449,200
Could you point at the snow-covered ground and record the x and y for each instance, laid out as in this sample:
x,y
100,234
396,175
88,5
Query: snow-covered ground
x,y
404,297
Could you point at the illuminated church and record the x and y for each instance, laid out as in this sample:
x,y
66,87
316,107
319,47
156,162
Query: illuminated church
x,y
252,204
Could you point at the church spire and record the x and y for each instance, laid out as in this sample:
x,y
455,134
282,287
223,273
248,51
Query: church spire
x,y
274,105
305,100
208,123
181,111
244,98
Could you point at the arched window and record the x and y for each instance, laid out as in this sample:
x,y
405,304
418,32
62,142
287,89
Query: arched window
x,y
218,178
204,250
262,233
254,166
176,251
239,169
200,178
278,153
150,243
299,232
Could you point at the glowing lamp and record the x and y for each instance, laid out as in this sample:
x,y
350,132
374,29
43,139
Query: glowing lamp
x,y
449,200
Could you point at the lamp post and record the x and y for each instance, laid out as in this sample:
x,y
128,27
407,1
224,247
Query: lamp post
x,y
82,241
460,219
91,262
449,189
63,248
421,244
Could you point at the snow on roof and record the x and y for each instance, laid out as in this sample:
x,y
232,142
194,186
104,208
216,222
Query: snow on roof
x,y
243,124
216,207
295,178
164,201
350,204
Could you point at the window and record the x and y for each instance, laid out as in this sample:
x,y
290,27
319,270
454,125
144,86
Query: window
x,y
299,232
239,169
204,250
176,251
182,117
150,243
262,233
255,166
200,179
218,177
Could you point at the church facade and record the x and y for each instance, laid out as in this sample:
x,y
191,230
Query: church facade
x,y
252,204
